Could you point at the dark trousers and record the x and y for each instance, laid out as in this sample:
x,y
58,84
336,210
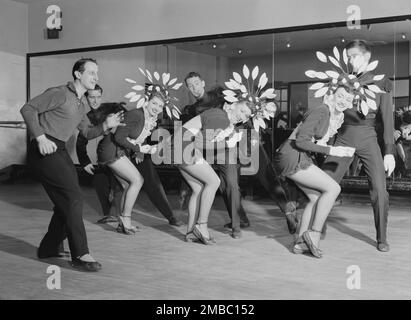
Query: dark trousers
x,y
104,182
153,187
270,181
230,190
59,178
364,140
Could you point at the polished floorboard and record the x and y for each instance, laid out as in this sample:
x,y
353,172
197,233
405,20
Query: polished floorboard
x,y
157,264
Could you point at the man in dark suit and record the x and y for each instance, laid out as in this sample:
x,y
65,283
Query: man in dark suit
x,y
358,131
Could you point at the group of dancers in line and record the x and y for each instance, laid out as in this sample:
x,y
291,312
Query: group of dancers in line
x,y
353,99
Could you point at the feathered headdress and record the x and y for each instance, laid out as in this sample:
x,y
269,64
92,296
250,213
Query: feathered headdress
x,y
238,91
163,86
362,86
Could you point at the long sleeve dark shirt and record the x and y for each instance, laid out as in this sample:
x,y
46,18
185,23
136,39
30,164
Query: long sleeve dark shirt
x,y
211,99
96,117
314,125
384,113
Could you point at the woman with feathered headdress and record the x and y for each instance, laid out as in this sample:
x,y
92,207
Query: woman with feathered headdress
x,y
118,148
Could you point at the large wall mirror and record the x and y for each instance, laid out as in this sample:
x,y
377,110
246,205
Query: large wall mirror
x,y
284,56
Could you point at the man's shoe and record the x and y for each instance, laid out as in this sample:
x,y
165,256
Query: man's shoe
x,y
175,222
383,247
292,222
85,266
236,234
243,225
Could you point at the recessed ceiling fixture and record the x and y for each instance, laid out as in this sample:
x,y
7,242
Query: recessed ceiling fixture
x,y
240,51
403,36
343,40
214,46
288,44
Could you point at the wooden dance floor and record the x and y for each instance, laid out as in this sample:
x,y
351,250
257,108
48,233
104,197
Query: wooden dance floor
x,y
157,264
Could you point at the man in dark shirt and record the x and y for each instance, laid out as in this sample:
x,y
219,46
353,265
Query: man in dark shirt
x,y
358,131
52,118
104,181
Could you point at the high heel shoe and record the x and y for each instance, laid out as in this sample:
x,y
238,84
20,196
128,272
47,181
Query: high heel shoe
x,y
300,247
123,229
315,251
190,237
200,236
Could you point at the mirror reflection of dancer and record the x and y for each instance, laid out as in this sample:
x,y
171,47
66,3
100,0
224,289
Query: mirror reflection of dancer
x,y
358,130
104,181
117,150
52,118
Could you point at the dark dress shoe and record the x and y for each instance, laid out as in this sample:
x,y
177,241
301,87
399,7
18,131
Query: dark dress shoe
x,y
292,222
85,265
383,247
236,234
243,225
175,222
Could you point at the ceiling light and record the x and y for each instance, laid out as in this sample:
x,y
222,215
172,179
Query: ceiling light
x,y
403,36
240,51
343,40
214,46
288,45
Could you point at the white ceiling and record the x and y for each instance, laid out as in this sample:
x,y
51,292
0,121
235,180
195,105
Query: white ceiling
x,y
27,1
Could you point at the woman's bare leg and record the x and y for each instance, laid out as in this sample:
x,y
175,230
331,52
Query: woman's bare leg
x,y
317,184
194,201
125,170
204,173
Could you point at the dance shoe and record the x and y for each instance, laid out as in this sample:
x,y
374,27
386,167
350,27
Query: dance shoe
x,y
314,250
300,247
107,219
383,247
243,225
236,234
190,237
201,237
85,265
292,221
174,222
